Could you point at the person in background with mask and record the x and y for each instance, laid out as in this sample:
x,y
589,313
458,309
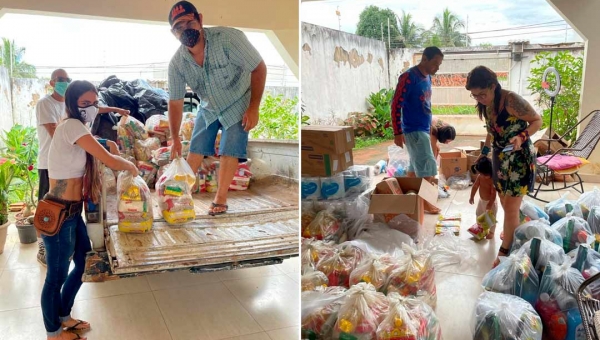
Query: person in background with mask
x,y
411,117
229,75
70,156
49,111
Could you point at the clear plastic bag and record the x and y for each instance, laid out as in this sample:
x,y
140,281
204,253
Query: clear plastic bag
x,y
320,311
536,228
159,125
409,318
339,262
187,126
414,276
589,200
174,193
312,280
460,182
161,156
587,261
310,253
574,231
593,220
374,270
148,172
447,249
134,128
378,238
125,141
515,275
110,181
325,226
144,148
361,313
561,207
398,161
530,212
134,204
557,305
503,317
406,225
541,252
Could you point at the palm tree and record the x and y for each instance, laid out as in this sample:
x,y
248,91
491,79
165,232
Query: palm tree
x,y
447,27
410,33
11,57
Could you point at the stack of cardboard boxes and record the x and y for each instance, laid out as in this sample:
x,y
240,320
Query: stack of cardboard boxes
x,y
326,150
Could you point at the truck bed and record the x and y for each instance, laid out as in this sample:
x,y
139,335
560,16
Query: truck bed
x,y
260,227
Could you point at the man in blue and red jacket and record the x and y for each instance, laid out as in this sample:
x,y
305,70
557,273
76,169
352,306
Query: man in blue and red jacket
x,y
411,116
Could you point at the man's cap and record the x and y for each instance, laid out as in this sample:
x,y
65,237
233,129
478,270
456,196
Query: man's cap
x,y
180,9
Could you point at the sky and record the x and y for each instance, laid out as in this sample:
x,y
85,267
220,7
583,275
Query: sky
x,y
74,44
483,16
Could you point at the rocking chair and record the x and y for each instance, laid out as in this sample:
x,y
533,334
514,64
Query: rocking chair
x,y
583,147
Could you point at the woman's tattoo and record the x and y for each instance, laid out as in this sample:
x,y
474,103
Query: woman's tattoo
x,y
60,188
520,105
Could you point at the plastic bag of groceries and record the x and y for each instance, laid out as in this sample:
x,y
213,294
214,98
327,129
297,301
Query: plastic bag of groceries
x,y
561,207
574,231
187,126
339,262
148,172
134,127
448,249
361,313
110,181
460,181
143,148
398,161
541,252
325,226
414,276
125,140
515,275
161,156
312,280
503,317
587,260
405,224
320,311
378,238
536,228
174,193
593,220
589,200
158,125
310,252
409,318
557,305
134,204
374,269
530,212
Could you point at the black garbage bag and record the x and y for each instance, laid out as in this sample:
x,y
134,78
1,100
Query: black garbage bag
x,y
104,126
151,100
108,82
117,96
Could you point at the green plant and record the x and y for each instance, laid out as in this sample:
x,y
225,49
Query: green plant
x,y
304,119
278,118
365,142
21,148
566,105
11,57
381,103
364,124
7,170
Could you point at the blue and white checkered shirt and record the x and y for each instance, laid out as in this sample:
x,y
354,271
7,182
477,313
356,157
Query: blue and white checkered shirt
x,y
223,84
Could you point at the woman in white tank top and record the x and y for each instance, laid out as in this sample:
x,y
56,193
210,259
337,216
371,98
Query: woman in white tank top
x,y
71,156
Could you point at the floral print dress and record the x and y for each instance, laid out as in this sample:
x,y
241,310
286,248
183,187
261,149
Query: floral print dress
x,y
514,172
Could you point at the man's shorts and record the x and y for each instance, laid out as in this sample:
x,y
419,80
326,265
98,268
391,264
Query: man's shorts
x,y
234,141
422,162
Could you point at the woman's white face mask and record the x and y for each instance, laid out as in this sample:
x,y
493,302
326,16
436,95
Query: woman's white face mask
x,y
88,113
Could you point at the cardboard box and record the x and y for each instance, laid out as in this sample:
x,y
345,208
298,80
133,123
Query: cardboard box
x,y
453,163
324,139
325,165
389,186
409,204
542,146
468,149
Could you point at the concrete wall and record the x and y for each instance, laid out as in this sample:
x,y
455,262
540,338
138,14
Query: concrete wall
x,y
25,95
339,70
272,157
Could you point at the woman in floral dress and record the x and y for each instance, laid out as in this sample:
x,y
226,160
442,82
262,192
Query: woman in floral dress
x,y
509,120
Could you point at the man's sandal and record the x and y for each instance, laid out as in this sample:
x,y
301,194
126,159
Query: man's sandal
x,y
502,252
76,328
214,205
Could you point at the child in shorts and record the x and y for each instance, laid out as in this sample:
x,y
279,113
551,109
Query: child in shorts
x,y
487,193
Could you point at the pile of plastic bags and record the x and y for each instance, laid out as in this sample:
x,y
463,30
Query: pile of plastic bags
x,y
134,204
515,275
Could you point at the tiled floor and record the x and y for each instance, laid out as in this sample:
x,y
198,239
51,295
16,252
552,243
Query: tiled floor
x,y
459,288
249,304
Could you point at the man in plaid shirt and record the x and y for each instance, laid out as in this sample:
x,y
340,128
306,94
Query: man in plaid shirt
x,y
228,74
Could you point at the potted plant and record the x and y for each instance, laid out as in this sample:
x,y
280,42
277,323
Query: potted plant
x,y
6,177
21,148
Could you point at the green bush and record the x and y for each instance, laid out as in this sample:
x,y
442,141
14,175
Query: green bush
x,y
566,106
278,119
21,148
381,103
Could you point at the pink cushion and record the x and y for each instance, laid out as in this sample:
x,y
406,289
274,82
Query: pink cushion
x,y
560,162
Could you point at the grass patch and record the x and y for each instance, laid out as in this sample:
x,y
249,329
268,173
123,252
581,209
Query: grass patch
x,y
365,142
441,110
